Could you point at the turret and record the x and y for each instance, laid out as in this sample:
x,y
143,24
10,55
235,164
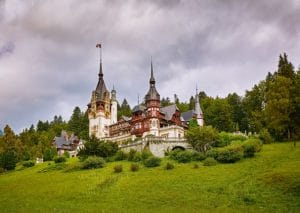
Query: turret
x,y
152,100
198,110
100,106
114,106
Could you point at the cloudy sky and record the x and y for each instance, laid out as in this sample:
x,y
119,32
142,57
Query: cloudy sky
x,y
49,62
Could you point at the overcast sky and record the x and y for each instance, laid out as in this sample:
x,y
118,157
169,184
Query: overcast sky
x,y
49,62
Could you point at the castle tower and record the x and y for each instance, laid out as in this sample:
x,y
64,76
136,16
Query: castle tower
x,y
99,109
152,100
198,110
114,106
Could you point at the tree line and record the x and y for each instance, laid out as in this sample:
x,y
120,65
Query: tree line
x,y
37,141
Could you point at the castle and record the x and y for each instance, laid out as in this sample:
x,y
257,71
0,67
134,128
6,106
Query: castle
x,y
148,118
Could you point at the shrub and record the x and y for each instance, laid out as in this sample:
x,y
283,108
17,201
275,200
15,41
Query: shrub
x,y
230,154
249,150
181,156
137,157
93,162
118,168
198,156
209,162
54,167
49,154
152,162
257,143
120,155
73,167
95,147
226,139
184,157
59,159
66,154
173,154
134,167
212,153
146,154
238,137
28,163
169,166
131,154
265,136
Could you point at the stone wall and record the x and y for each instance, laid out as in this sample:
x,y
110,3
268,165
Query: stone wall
x,y
158,149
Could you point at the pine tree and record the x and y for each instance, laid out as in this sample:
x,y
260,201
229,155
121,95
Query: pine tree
x,y
279,107
84,132
192,103
165,102
124,109
285,68
74,124
281,97
238,114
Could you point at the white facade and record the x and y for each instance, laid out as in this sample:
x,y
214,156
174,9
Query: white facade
x,y
154,127
172,132
99,124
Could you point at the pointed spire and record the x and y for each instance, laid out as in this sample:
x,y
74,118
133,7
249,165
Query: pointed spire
x,y
100,71
100,68
152,93
198,109
197,95
101,88
152,80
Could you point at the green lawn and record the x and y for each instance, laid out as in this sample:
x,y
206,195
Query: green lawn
x,y
269,182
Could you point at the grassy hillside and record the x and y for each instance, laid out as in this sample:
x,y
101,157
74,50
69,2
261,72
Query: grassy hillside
x,y
270,182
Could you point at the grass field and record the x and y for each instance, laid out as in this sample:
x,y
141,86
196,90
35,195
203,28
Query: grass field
x,y
269,182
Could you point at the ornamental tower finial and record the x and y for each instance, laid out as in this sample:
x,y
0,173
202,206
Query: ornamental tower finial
x,y
152,80
100,68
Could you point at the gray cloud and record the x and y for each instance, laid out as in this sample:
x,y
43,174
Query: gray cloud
x,y
49,63
7,48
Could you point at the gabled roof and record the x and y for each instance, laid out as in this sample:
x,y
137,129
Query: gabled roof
x,y
188,115
169,111
63,142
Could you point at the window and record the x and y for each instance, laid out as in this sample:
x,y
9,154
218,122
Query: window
x,y
153,123
138,126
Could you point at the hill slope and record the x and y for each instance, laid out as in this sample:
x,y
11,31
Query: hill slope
x,y
270,182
